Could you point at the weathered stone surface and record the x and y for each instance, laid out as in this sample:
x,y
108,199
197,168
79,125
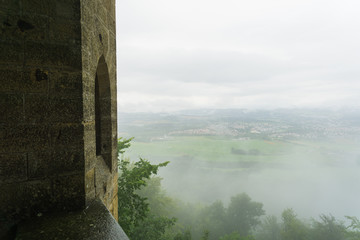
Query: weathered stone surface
x,y
25,199
34,80
66,84
90,180
13,167
11,52
48,164
11,108
65,31
43,54
66,136
39,27
50,54
9,27
94,223
36,7
68,9
69,192
43,109
10,5
23,138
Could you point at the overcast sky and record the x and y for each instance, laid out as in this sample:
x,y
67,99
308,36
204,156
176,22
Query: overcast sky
x,y
186,54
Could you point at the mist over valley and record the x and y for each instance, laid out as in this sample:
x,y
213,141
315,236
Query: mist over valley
x,y
308,160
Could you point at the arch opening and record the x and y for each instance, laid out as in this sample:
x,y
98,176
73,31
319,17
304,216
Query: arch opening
x,y
103,129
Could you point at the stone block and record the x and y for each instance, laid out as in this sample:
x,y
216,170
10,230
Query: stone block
x,y
13,167
37,195
47,164
36,7
85,58
53,55
17,79
38,27
90,181
68,9
89,106
23,138
102,13
103,42
25,199
87,13
10,5
114,208
69,192
35,80
89,134
90,158
90,197
11,52
65,31
11,108
66,84
42,109
112,9
67,136
9,27
112,24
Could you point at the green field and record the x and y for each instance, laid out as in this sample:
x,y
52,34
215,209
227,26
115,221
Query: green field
x,y
217,149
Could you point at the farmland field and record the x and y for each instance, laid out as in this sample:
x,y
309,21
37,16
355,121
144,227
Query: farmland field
x,y
252,151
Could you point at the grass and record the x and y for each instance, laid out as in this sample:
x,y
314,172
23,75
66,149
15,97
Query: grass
x,y
217,149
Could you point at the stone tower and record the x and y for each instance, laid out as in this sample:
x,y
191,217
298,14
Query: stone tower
x,y
58,142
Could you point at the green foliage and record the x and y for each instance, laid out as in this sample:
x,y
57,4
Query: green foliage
x,y
152,228
269,229
213,217
236,236
183,236
353,232
123,144
205,235
159,202
141,199
293,228
243,214
328,229
132,207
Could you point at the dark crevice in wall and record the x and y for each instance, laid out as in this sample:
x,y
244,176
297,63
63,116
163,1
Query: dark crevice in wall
x,y
41,75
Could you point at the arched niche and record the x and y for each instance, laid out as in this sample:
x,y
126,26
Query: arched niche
x,y
103,129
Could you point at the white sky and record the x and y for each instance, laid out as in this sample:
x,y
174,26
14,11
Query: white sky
x,y
184,54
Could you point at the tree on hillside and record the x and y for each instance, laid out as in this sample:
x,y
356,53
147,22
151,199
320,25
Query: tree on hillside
x,y
327,229
243,214
213,218
270,229
293,228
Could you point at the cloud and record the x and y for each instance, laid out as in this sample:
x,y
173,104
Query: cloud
x,y
219,54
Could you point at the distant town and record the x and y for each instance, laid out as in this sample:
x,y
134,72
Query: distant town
x,y
284,124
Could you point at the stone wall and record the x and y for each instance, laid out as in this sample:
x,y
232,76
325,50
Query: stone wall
x,y
99,59
51,53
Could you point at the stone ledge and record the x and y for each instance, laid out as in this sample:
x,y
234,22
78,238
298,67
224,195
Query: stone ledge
x,y
95,223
